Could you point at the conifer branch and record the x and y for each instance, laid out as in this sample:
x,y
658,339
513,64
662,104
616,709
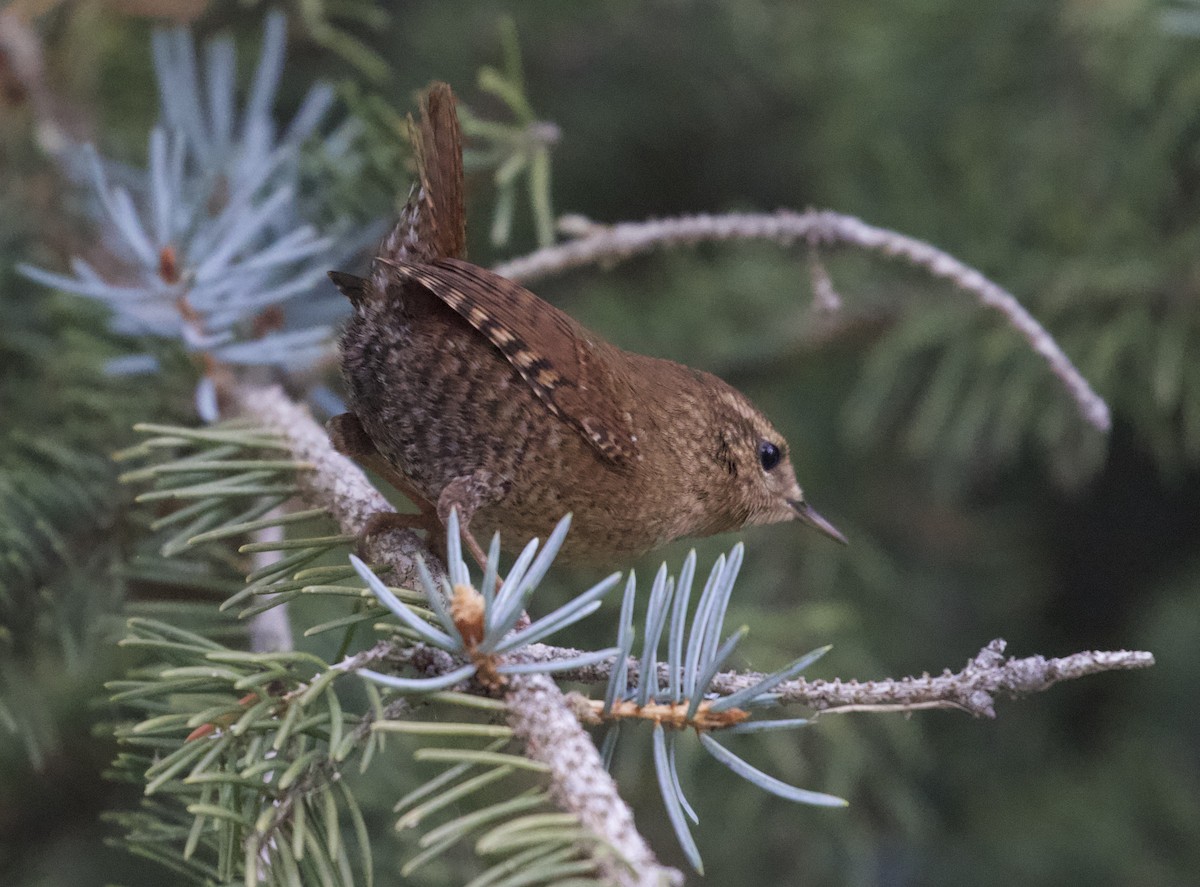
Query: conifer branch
x,y
549,724
537,710
580,783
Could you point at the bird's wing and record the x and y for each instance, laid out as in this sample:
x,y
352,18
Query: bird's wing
x,y
559,359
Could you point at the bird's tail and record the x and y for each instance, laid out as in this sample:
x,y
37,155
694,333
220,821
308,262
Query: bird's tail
x,y
433,224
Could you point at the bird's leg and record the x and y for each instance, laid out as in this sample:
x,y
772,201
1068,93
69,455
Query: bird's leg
x,y
350,439
468,494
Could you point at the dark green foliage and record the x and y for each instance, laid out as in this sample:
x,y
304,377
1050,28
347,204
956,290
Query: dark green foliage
x,y
61,531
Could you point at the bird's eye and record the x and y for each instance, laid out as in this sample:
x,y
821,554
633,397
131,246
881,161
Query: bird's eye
x,y
768,455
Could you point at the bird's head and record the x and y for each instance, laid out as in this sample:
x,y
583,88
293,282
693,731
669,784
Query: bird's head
x,y
756,479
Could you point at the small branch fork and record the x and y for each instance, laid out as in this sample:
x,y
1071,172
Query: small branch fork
x,y
608,244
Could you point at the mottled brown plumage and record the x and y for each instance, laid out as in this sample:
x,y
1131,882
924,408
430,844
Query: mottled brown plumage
x,y
469,391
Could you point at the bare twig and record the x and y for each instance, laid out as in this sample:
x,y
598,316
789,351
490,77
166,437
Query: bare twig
x,y
270,629
972,690
21,56
607,245
825,297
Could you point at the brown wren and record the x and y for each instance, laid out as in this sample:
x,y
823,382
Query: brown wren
x,y
469,391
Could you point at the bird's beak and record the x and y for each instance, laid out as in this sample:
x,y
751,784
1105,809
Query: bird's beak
x,y
806,514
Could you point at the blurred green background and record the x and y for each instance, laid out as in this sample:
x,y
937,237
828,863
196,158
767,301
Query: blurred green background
x,y
1053,145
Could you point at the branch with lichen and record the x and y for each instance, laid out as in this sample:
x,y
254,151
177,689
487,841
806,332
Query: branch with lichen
x,y
596,244
972,690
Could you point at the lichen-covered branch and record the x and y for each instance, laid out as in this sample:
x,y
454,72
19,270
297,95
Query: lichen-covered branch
x,y
973,689
21,55
542,719
608,244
